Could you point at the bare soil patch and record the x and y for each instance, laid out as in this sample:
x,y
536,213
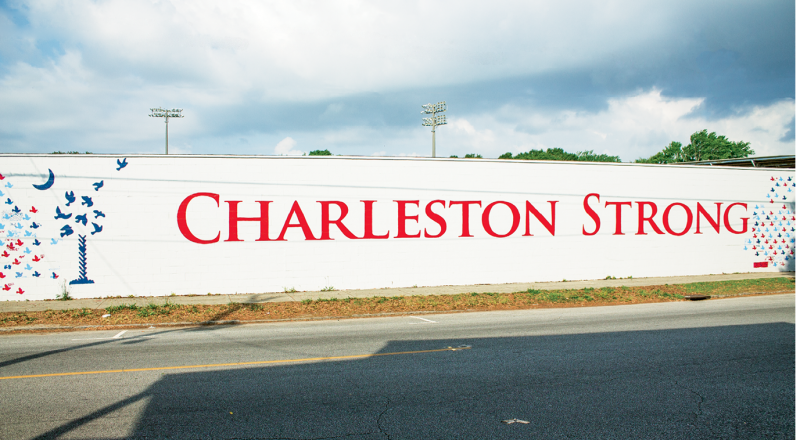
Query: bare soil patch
x,y
168,312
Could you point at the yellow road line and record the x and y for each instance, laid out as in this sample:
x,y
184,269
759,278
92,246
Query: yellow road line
x,y
233,364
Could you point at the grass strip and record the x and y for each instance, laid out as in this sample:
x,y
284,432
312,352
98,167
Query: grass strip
x,y
352,307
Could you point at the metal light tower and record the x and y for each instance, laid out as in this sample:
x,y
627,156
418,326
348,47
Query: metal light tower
x,y
166,114
435,120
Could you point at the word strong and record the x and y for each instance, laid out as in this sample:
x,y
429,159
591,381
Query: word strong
x,y
649,220
414,219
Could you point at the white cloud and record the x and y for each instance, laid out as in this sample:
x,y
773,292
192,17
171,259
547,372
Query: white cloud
x,y
320,49
285,148
631,127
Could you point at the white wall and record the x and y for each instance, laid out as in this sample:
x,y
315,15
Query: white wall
x,y
142,251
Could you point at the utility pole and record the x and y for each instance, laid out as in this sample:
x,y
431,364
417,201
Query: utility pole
x,y
434,120
166,114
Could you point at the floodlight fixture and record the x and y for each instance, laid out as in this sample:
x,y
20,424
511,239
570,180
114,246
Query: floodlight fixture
x,y
166,114
434,121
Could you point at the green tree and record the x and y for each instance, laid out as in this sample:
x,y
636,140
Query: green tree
x,y
702,146
320,153
560,154
473,156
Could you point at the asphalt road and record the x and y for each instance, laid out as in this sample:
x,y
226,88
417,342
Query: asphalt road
x,y
711,369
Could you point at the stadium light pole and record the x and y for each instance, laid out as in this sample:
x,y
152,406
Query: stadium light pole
x,y
435,120
166,114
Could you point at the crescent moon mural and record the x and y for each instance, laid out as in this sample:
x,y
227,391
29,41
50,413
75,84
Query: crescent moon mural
x,y
47,184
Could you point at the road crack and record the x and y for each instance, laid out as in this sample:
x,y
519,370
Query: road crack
x,y
380,417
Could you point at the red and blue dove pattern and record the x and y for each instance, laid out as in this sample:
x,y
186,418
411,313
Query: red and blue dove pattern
x,y
772,234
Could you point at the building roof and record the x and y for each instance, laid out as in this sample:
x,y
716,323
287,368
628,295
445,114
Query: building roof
x,y
757,162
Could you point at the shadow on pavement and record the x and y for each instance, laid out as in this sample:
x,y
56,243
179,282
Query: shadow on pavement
x,y
716,382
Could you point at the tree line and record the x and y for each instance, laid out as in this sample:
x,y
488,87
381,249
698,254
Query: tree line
x,y
702,146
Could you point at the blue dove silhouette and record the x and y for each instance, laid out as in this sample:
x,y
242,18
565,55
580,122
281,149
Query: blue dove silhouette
x,y
59,214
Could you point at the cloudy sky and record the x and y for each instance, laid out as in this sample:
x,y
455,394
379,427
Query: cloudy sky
x,y
285,77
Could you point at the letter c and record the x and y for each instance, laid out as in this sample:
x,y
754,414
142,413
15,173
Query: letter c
x,y
182,218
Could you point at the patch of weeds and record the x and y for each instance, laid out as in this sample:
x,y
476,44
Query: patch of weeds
x,y
666,295
646,294
83,312
64,295
534,291
18,318
194,309
327,289
255,307
307,301
609,277
289,290
121,307
555,297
